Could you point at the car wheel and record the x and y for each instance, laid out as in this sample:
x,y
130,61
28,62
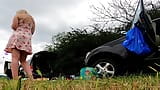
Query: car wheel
x,y
106,67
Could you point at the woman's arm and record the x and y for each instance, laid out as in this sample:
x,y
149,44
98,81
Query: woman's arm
x,y
15,23
33,27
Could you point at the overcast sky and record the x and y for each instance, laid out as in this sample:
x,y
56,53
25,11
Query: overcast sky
x,y
51,17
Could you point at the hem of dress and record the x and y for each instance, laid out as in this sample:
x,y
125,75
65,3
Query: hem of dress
x,y
10,51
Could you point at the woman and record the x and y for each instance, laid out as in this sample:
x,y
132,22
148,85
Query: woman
x,y
19,44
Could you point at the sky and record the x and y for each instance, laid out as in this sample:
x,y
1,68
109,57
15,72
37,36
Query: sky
x,y
51,17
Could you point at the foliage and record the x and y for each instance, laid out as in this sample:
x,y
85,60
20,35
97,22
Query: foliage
x,y
71,47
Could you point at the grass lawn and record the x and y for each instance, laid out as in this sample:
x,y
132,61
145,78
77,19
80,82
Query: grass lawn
x,y
132,82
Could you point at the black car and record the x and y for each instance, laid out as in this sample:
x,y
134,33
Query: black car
x,y
113,58
7,69
8,72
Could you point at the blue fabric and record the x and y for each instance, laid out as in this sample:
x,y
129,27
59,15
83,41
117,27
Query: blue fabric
x,y
135,42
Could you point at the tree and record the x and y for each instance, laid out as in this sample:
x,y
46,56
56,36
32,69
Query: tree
x,y
120,13
71,47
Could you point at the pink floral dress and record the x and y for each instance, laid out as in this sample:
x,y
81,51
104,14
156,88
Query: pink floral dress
x,y
21,39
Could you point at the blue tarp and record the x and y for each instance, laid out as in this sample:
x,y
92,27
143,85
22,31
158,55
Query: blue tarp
x,y
135,42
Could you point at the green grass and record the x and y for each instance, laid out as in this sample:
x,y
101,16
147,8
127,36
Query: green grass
x,y
132,82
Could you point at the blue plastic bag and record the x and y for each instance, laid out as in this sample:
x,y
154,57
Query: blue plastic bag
x,y
135,42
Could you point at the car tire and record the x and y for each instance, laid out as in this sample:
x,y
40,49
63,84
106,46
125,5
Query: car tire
x,y
107,67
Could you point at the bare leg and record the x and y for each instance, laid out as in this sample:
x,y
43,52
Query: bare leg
x,y
25,65
14,63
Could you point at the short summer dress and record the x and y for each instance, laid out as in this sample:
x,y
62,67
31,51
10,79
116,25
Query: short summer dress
x,y
21,38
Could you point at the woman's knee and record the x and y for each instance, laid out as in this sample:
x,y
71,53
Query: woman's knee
x,y
14,64
23,62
